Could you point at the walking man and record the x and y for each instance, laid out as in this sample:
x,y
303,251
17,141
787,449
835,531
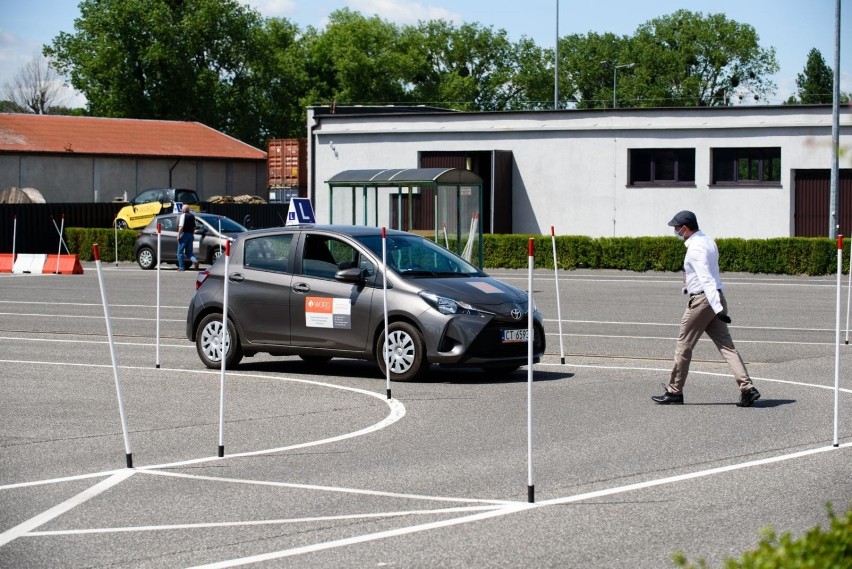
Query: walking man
x,y
186,235
706,311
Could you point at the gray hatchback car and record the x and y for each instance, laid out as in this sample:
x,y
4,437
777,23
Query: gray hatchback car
x,y
317,292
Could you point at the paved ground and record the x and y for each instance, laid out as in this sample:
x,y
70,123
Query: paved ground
x,y
322,470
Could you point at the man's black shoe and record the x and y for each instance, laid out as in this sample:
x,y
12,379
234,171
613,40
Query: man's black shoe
x,y
668,398
748,397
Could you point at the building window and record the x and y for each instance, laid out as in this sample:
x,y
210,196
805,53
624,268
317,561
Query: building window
x,y
747,166
662,166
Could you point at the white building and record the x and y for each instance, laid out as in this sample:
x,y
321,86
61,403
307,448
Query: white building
x,y
751,172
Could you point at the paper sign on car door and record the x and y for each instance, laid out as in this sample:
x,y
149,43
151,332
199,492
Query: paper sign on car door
x,y
324,312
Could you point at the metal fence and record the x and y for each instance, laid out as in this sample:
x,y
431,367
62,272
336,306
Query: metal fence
x,y
35,227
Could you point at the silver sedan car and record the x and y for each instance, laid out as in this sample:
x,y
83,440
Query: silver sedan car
x,y
317,292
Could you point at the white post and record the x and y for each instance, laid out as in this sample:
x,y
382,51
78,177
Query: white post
x,y
59,252
849,296
530,342
159,239
386,349
223,350
14,236
837,340
115,230
558,303
128,454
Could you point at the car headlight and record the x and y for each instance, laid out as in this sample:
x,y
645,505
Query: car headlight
x,y
446,305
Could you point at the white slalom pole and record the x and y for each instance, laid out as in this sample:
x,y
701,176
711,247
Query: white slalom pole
x,y
121,413
159,239
220,234
59,252
223,350
115,230
837,340
558,303
59,232
849,296
14,236
530,341
386,350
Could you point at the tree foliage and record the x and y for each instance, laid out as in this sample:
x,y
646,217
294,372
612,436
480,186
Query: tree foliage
x,y
220,63
816,82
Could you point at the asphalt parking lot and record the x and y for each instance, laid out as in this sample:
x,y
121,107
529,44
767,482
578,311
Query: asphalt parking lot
x,y
322,470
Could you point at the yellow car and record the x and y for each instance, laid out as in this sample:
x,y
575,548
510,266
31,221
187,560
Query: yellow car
x,y
150,203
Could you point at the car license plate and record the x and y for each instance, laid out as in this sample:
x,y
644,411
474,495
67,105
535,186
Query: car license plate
x,y
508,336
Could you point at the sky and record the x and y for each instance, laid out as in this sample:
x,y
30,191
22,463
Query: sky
x,y
792,27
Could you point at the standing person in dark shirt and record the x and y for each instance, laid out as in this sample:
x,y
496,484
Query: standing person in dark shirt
x,y
706,311
186,235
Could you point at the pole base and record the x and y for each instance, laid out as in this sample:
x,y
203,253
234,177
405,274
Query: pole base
x,y
221,451
129,457
531,494
389,394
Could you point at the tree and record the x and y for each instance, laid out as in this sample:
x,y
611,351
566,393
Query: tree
x,y
816,82
35,88
688,59
683,59
170,59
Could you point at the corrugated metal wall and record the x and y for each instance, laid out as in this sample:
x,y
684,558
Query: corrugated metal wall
x,y
812,202
36,232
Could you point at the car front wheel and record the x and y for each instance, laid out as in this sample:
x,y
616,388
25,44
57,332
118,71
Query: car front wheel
x,y
146,258
121,224
208,343
407,352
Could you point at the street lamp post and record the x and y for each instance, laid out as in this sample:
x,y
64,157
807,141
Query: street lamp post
x,y
615,69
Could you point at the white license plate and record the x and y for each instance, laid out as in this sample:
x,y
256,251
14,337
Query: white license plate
x,y
508,336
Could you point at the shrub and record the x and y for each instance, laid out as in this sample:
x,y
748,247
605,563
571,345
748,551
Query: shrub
x,y
816,549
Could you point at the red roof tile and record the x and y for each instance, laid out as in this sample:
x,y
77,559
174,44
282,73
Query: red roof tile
x,y
125,137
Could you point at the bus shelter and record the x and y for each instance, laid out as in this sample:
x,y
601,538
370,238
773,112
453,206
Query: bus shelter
x,y
445,203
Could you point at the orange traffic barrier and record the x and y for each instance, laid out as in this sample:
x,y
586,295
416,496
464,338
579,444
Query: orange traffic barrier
x,y
5,262
66,265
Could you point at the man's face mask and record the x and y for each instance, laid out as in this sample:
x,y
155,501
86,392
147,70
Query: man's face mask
x,y
678,233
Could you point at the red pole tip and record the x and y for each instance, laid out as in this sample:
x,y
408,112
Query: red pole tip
x,y
384,233
532,247
96,251
228,248
552,234
159,228
840,242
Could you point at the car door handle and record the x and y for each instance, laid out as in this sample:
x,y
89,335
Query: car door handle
x,y
301,287
236,277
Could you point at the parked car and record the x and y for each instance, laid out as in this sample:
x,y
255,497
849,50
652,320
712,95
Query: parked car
x,y
317,292
155,201
207,245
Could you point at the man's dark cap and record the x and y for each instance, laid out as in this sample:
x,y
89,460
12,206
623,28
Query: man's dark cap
x,y
686,218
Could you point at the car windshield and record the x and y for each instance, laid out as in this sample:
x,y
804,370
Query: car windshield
x,y
186,196
413,256
228,225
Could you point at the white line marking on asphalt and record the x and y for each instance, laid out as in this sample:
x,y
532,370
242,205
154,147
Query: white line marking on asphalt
x,y
67,341
332,489
373,515
30,315
506,511
677,324
67,505
99,305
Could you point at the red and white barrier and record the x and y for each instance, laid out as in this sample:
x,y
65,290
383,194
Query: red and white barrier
x,y
37,264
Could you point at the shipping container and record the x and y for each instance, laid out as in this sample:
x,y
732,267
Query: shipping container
x,y
287,163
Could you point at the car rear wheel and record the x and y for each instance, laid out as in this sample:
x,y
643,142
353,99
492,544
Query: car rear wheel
x,y
215,253
407,352
208,343
146,258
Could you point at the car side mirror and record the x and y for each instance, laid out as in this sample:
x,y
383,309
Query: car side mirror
x,y
351,275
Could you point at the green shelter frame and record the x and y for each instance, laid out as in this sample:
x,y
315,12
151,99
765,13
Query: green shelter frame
x,y
444,181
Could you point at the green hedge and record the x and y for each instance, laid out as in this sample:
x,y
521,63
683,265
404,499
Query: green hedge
x,y
81,239
816,549
783,255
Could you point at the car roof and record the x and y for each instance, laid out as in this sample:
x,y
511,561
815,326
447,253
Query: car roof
x,y
350,230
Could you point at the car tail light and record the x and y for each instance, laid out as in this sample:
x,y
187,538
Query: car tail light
x,y
200,278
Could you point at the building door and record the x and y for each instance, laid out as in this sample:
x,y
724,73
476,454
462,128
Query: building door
x,y
813,200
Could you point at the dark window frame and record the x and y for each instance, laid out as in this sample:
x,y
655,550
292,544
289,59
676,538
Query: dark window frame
x,y
761,165
647,166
